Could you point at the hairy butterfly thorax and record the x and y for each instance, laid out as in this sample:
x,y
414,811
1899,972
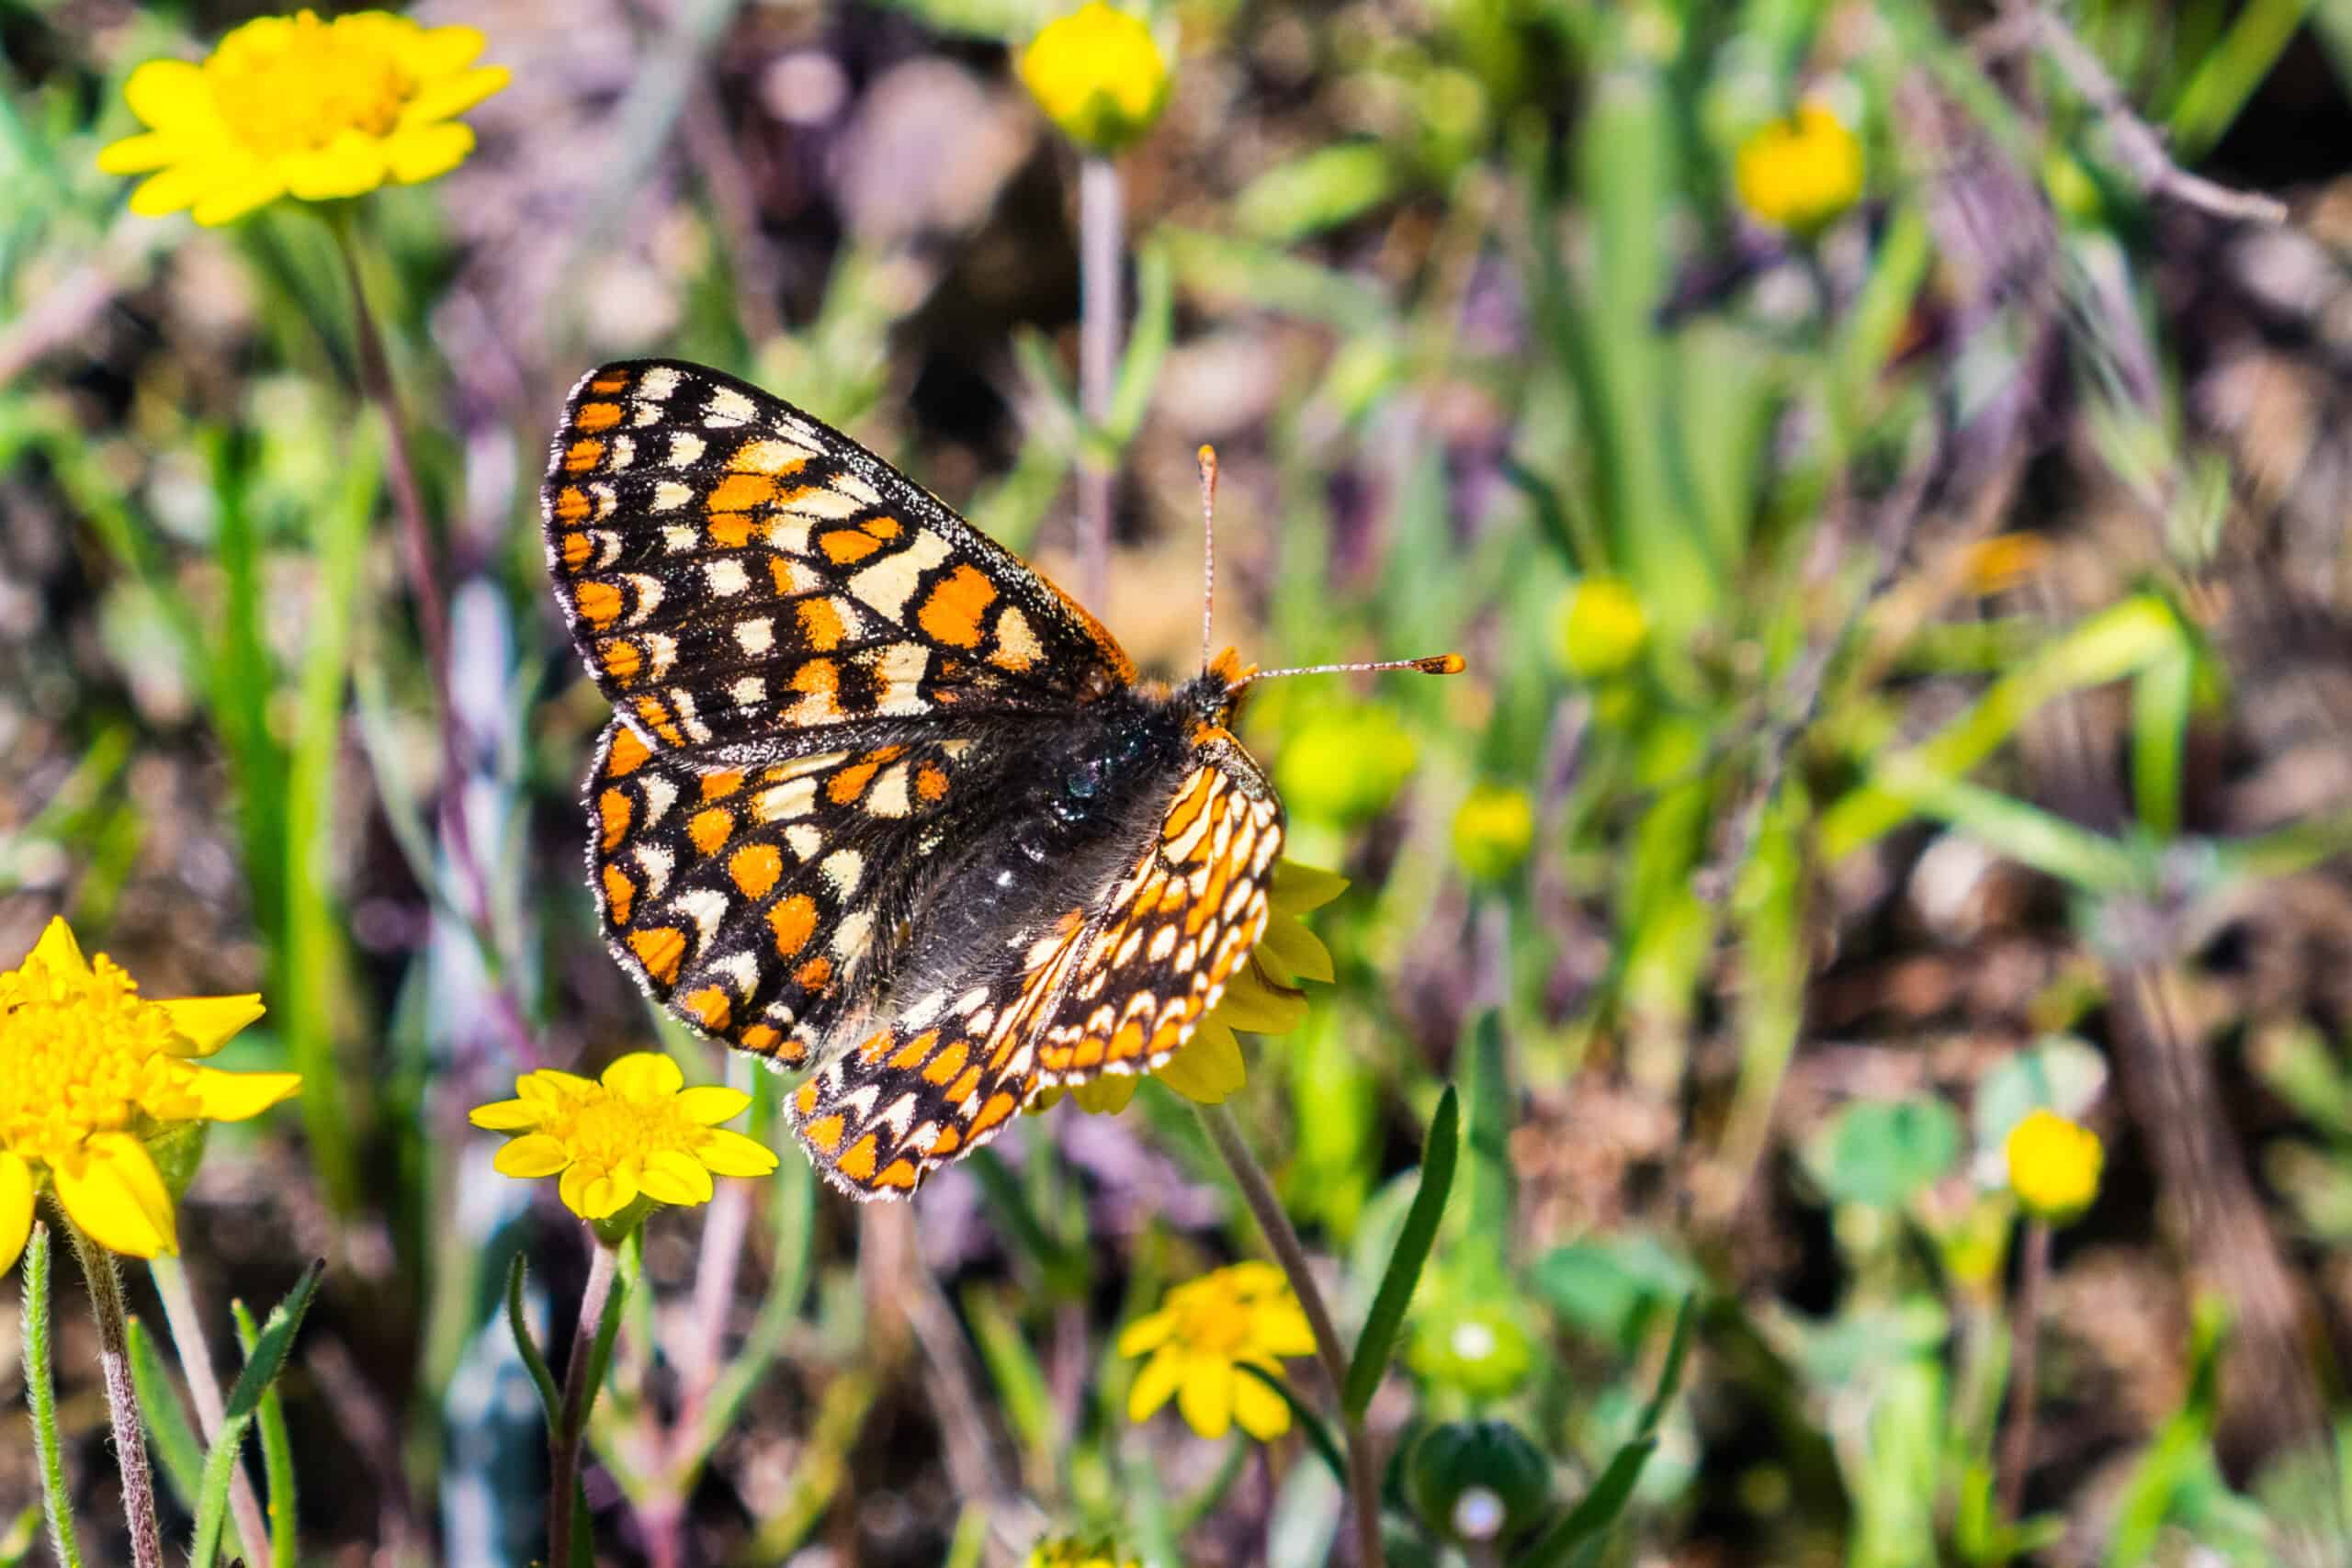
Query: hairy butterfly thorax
x,y
878,799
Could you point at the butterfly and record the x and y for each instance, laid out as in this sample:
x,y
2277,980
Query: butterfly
x,y
878,799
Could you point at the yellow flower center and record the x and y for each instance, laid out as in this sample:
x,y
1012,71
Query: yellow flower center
x,y
292,86
1214,1323
604,1131
80,1056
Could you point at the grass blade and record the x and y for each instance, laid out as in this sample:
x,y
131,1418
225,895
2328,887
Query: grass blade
x,y
177,1448
1413,1245
276,1450
1318,1436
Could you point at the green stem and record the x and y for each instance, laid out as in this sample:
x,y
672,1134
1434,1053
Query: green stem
x,y
204,1390
1099,232
122,1399
579,1393
1363,1489
2017,1443
40,1398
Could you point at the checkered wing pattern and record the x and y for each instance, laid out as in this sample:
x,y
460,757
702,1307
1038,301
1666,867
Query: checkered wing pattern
x,y
1114,985
742,580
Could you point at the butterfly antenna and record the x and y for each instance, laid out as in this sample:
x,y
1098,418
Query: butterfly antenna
x,y
1435,664
1207,455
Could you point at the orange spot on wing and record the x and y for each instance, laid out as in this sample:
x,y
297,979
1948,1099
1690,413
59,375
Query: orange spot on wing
x,y
999,1106
621,660
731,530
961,1090
628,753
952,611
613,810
883,527
825,1132
950,1140
597,416
813,975
620,894
899,1174
741,493
1127,1043
571,504
1180,815
661,950
858,1164
719,786
600,602
912,1053
759,1037
608,383
654,714
576,550
844,546
710,828
711,1006
949,1062
804,1098
794,921
850,782
820,623
582,456
931,782
754,869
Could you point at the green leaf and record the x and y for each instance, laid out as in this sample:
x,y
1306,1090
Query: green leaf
x,y
550,1397
40,1397
1607,1286
177,1448
1885,1153
276,1451
1387,1315
266,1360
1318,190
1581,1525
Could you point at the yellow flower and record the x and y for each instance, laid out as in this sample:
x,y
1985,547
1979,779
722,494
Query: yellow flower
x,y
89,1070
1074,1551
1204,1334
1345,762
1800,173
2054,1165
1262,997
1602,628
637,1131
1493,829
292,106
1097,74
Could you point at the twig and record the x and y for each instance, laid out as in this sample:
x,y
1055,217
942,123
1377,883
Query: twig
x,y
204,1387
2138,143
1364,1486
122,1399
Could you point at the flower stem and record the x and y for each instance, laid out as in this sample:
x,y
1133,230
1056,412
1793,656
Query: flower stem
x,y
433,626
40,1399
1100,229
2025,1333
204,1387
123,1401
1364,1492
579,1393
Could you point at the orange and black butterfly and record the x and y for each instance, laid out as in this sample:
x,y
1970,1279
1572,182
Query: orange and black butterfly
x,y
876,796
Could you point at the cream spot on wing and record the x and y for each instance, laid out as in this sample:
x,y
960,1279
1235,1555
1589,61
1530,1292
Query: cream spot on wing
x,y
972,1001
889,582
645,413
648,595
704,906
803,841
889,795
842,868
669,495
743,968
769,456
794,797
853,935
901,667
659,382
857,490
756,638
660,795
664,649
680,538
749,692
656,862
606,499
919,1015
685,449
608,547
727,409
1017,645
726,576
824,504
1163,942
622,452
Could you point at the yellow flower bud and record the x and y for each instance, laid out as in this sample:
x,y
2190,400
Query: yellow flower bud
x,y
1602,628
1098,75
1493,829
2053,1166
1800,173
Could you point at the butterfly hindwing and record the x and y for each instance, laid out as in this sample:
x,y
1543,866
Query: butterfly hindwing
x,y
737,574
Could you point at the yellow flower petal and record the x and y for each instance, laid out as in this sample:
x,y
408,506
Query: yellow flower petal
x,y
506,1116
552,1086
15,1208
171,191
210,1022
1250,1004
448,95
731,1153
1258,1409
1158,1380
530,1157
596,1195
138,154
1205,1397
644,1075
234,1097
1281,1329
426,150
1105,1096
1297,888
350,165
57,951
1253,1281
1147,1333
117,1197
1299,951
709,1104
1208,1068
439,52
670,1177
170,96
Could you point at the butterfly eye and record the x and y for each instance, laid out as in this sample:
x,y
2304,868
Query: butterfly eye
x,y
1082,782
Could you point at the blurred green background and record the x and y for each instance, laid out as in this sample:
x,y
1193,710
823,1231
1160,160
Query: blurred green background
x,y
1910,683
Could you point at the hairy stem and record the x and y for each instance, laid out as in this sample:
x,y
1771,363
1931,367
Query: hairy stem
x,y
40,1401
579,1393
1363,1490
123,1401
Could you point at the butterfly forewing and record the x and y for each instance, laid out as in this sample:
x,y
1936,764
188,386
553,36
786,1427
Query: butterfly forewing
x,y
736,573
